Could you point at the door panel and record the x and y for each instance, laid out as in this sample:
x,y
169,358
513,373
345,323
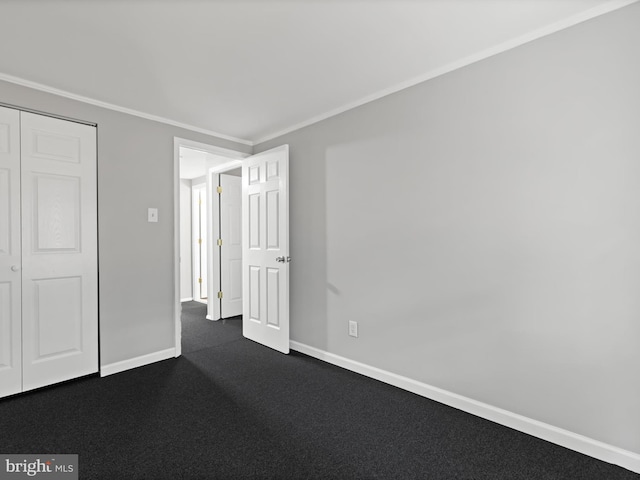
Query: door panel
x,y
273,297
57,205
6,326
5,130
231,249
5,210
58,317
265,215
235,282
273,220
58,146
59,250
254,294
10,254
254,220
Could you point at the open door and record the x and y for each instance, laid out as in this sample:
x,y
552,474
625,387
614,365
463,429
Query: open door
x,y
231,245
265,248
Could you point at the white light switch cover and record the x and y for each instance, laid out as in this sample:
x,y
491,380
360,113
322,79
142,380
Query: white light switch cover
x,y
153,215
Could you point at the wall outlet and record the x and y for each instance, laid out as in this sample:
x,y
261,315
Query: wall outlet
x,y
152,215
353,328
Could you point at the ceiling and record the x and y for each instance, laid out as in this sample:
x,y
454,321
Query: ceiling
x,y
195,163
251,69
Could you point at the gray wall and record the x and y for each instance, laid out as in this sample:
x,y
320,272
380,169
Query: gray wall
x,y
135,171
484,230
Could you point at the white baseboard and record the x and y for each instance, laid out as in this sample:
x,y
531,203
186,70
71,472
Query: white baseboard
x,y
579,443
137,362
188,299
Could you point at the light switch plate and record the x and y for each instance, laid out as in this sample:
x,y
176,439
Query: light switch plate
x,y
152,215
353,329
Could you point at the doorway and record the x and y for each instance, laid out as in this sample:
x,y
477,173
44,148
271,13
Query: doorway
x,y
265,241
226,241
192,163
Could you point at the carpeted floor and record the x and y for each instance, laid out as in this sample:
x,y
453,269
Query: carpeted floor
x,y
232,409
199,333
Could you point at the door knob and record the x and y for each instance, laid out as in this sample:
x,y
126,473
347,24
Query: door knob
x,y
15,268
283,259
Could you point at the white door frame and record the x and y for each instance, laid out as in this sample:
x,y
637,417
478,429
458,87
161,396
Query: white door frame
x,y
178,142
213,307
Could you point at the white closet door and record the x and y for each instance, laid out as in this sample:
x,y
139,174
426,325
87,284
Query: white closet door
x,y
10,255
231,249
59,250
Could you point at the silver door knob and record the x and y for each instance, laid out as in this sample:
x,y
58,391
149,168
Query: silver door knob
x,y
280,259
15,268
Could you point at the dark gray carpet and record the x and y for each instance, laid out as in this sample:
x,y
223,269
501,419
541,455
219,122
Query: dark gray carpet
x,y
232,409
199,333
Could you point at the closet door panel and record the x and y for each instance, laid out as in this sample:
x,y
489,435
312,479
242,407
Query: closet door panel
x,y
10,254
59,248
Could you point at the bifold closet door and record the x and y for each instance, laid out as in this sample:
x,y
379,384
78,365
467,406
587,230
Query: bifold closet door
x,y
59,250
10,255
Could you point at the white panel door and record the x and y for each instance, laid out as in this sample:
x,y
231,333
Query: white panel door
x,y
265,253
231,248
10,254
59,250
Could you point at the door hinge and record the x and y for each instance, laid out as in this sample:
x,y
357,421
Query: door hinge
x,y
219,294
200,241
219,242
199,280
219,189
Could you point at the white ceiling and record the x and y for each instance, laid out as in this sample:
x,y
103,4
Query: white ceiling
x,y
193,163
196,163
251,69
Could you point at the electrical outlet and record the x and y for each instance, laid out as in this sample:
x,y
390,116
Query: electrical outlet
x,y
353,328
152,215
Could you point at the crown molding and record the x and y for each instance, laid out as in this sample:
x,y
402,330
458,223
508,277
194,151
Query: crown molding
x,y
503,47
110,106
